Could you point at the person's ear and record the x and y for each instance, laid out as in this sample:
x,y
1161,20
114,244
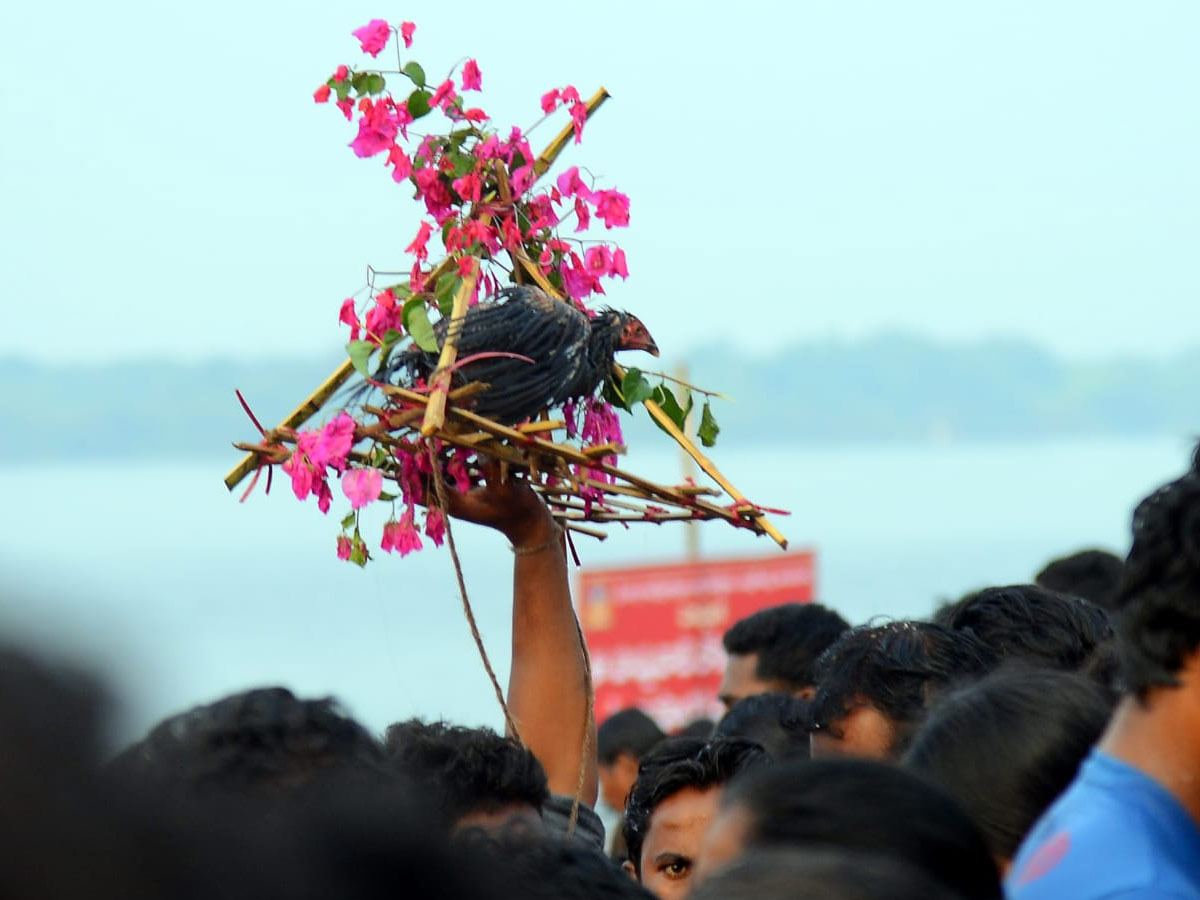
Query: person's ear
x,y
628,869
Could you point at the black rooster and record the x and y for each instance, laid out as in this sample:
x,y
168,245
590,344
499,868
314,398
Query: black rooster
x,y
566,354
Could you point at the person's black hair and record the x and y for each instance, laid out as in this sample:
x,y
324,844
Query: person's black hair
x,y
787,639
777,722
1091,574
866,806
628,731
897,668
1157,605
701,729
676,764
529,868
1007,746
1028,622
264,740
820,874
466,769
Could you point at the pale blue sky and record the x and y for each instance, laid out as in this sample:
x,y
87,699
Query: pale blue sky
x,y
795,169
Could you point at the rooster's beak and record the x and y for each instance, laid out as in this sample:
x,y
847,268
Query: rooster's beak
x,y
652,349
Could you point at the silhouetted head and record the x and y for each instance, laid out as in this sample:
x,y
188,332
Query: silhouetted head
x,y
1032,623
1007,746
1157,605
1091,574
875,684
634,335
476,777
852,805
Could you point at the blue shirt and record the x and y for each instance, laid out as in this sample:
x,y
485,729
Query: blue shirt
x,y
1114,833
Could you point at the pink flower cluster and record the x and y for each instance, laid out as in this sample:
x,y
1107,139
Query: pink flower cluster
x,y
315,452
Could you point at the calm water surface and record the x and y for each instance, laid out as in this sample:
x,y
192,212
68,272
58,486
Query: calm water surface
x,y
154,574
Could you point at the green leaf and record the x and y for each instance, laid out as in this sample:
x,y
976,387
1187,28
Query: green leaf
x,y
709,429
416,320
635,388
360,82
375,83
418,103
463,163
401,290
350,519
612,394
385,497
415,74
358,551
666,399
360,354
444,292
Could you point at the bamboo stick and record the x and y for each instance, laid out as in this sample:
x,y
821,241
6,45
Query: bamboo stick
x,y
435,409
315,401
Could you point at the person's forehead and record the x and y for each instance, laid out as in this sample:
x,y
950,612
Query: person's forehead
x,y
683,811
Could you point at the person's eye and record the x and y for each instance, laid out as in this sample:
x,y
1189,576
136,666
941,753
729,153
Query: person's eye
x,y
677,869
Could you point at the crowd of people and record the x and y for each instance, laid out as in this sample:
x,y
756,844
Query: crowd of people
x,y
1030,741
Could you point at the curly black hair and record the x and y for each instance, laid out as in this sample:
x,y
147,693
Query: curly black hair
x,y
677,764
466,769
1157,605
897,668
1033,623
787,638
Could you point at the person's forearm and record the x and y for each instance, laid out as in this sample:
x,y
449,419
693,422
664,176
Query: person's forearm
x,y
547,686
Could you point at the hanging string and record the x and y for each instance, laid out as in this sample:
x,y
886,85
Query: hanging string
x,y
440,489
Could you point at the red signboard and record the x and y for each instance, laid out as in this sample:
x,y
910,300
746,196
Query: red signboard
x,y
655,631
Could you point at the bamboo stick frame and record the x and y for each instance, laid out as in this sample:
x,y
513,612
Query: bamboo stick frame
x,y
524,445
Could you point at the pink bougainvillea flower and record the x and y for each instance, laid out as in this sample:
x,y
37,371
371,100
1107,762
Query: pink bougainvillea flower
x,y
618,263
489,148
612,207
456,468
406,32
347,108
331,445
472,79
418,247
444,95
386,315
302,475
324,495
343,546
403,117
340,75
402,535
362,486
321,94
435,525
376,131
374,36
583,214
571,185
550,101
579,116
600,424
570,94
400,163
349,317
598,260
522,178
